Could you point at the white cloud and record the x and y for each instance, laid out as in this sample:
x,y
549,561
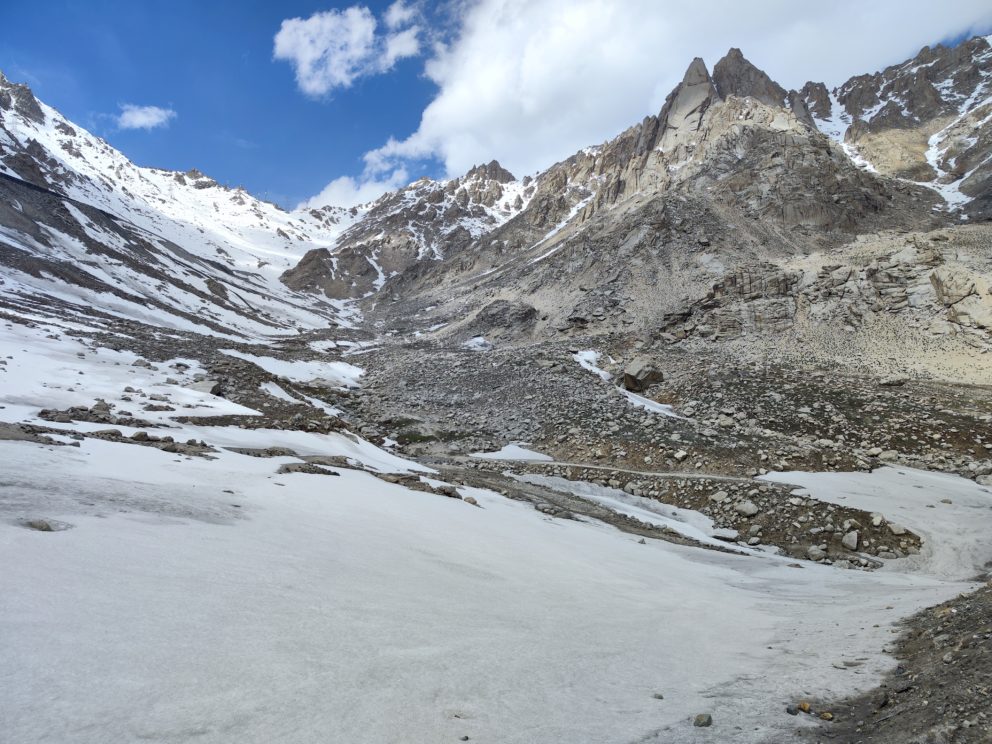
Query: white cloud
x,y
349,192
530,82
333,48
399,14
144,117
405,43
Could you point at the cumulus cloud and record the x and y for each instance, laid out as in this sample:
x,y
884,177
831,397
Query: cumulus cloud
x,y
144,117
350,192
530,82
333,48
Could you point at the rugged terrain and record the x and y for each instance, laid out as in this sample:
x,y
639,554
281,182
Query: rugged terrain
x,y
623,422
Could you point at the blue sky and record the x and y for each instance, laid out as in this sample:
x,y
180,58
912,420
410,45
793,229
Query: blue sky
x,y
408,88
240,117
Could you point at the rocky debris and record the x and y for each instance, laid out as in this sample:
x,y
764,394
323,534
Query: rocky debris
x,y
263,451
304,467
940,690
100,412
703,720
316,421
502,316
26,433
47,525
751,513
417,483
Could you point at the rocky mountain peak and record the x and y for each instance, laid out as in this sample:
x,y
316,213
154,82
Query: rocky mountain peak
x,y
734,75
491,171
18,98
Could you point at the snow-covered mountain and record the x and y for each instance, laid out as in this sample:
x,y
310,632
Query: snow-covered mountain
x,y
83,224
426,221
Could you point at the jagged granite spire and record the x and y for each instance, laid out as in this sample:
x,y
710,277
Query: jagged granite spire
x,y
684,109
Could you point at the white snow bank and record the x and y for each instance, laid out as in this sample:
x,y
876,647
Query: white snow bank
x,y
46,369
335,373
687,522
513,452
651,405
588,360
277,392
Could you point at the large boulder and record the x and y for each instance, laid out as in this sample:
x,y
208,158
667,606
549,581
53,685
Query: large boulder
x,y
640,374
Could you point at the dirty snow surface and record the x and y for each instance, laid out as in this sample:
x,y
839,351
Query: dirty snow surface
x,y
216,600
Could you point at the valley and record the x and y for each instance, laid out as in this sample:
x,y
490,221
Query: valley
x,y
697,422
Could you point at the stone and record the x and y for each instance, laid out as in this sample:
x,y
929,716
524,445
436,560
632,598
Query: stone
x,y
815,553
211,387
747,508
718,496
850,540
951,285
703,720
640,374
892,382
896,529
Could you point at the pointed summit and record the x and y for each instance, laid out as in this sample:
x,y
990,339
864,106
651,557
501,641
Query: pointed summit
x,y
18,98
684,109
492,171
734,75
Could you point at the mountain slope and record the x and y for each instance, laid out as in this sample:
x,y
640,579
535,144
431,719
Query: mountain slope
x,y
79,218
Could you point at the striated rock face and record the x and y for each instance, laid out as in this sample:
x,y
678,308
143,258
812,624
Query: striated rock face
x,y
683,114
684,224
735,146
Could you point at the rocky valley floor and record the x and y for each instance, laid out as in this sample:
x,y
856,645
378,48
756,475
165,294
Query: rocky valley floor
x,y
384,537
